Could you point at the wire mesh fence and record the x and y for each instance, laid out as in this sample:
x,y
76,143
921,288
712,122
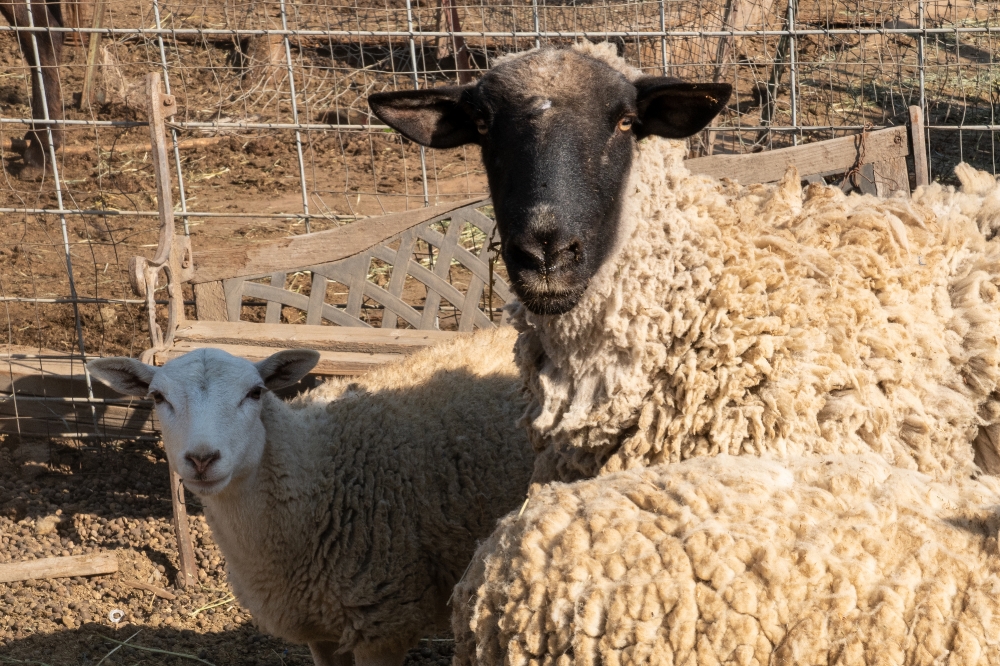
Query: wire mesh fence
x,y
273,135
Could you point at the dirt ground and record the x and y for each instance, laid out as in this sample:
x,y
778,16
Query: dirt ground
x,y
61,500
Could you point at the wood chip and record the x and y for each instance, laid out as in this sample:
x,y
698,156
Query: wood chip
x,y
158,591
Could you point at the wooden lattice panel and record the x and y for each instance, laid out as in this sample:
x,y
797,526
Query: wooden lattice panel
x,y
454,274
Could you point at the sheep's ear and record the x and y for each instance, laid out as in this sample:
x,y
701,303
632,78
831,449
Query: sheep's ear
x,y
125,375
673,109
286,367
434,117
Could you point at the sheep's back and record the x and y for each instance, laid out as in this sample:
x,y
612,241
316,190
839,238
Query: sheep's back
x,y
740,560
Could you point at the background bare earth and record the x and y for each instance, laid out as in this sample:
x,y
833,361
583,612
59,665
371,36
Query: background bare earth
x,y
60,497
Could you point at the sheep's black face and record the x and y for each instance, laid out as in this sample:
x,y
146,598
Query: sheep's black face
x,y
557,130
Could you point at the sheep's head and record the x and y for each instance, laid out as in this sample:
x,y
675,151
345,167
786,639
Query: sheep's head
x,y
209,406
558,130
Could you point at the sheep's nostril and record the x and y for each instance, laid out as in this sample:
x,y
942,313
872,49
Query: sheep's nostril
x,y
202,462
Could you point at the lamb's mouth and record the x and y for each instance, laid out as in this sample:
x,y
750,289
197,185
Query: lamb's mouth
x,y
207,486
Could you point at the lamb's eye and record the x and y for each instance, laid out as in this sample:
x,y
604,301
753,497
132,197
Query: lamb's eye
x,y
625,124
481,126
157,397
254,393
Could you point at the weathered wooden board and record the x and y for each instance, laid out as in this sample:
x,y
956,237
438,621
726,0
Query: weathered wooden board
x,y
311,249
332,363
59,567
46,417
320,338
34,371
820,157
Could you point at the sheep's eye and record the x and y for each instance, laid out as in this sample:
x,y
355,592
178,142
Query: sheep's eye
x,y
625,124
481,126
157,397
254,393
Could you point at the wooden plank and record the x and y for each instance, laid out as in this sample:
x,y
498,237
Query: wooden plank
x,y
311,249
920,167
24,373
320,338
210,301
343,364
891,176
93,564
29,415
821,157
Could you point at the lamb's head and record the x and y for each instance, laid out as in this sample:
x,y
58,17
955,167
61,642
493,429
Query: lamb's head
x,y
558,131
209,406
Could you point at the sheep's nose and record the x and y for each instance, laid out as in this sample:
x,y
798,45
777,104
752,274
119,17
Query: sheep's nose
x,y
546,252
202,461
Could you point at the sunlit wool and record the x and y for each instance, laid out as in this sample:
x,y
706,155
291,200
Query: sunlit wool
x,y
743,561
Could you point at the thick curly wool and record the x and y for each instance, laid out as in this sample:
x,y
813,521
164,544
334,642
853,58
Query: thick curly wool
x,y
741,561
372,494
748,320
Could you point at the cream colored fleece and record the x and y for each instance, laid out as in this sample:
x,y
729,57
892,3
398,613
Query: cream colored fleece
x,y
372,494
741,561
765,319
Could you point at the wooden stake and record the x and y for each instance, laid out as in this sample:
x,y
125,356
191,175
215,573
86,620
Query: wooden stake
x,y
188,574
920,166
92,51
59,567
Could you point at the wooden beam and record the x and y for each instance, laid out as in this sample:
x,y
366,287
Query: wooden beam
x,y
312,249
93,564
920,167
821,157
342,364
272,337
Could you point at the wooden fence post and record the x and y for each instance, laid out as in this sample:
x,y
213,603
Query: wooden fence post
x,y
920,166
144,275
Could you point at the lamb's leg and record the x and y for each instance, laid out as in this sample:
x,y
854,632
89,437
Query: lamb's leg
x,y
383,657
324,653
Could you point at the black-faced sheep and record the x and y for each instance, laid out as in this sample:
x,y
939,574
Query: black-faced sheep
x,y
667,316
346,516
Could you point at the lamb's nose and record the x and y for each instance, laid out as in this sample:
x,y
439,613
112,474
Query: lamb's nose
x,y
202,461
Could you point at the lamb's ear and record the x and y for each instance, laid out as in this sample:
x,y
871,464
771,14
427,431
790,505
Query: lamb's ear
x,y
675,110
433,117
125,375
286,367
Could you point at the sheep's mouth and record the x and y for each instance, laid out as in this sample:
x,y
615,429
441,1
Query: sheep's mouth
x,y
545,297
207,486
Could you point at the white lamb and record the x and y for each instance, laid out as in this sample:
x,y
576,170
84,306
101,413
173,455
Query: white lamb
x,y
347,516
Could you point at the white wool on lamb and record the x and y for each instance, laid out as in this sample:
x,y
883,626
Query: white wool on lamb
x,y
347,515
748,320
741,561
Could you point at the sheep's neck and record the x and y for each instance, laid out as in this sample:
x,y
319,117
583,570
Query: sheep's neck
x,y
249,519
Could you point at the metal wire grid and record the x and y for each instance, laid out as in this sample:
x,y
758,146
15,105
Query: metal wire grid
x,y
276,90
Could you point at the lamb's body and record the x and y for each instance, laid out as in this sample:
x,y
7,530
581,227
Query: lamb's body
x,y
367,508
347,515
747,320
741,561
